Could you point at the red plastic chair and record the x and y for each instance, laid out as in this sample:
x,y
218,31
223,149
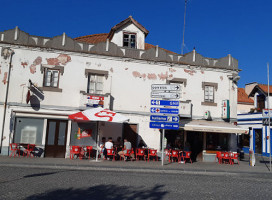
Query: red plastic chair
x,y
29,150
152,153
234,156
140,153
218,157
74,150
128,154
226,157
167,153
187,156
14,149
89,150
111,152
175,156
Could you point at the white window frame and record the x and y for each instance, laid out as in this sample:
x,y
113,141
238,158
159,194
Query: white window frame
x,y
51,78
95,83
129,40
209,93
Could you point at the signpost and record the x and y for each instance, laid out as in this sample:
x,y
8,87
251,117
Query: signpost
x,y
164,110
164,118
165,92
164,103
165,95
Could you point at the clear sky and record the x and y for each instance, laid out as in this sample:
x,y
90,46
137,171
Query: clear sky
x,y
215,28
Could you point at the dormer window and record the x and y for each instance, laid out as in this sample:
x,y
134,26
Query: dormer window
x,y
129,40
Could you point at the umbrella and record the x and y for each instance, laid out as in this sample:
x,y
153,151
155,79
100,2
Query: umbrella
x,y
98,114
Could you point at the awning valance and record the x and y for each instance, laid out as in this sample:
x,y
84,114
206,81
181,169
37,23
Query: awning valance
x,y
212,126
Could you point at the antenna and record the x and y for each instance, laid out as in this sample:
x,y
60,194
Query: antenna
x,y
183,27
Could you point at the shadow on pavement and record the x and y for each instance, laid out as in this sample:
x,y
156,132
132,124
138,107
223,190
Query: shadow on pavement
x,y
104,192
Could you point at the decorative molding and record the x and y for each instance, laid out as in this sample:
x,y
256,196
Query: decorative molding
x,y
50,89
215,85
208,104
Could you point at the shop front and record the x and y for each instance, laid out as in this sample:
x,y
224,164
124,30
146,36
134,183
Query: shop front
x,y
204,138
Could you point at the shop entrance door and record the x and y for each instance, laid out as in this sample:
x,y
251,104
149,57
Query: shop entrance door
x,y
55,145
258,140
130,133
195,139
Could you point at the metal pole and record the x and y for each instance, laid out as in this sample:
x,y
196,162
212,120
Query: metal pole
x,y
268,106
163,133
184,27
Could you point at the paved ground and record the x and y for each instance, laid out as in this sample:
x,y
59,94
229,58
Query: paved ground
x,y
262,165
34,183
51,178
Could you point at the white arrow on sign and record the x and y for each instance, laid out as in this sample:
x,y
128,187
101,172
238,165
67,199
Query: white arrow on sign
x,y
165,95
163,87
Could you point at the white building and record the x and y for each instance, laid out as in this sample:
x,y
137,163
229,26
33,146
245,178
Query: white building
x,y
62,73
259,134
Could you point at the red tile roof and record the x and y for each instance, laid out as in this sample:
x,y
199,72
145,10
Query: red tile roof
x,y
93,39
102,37
243,97
265,88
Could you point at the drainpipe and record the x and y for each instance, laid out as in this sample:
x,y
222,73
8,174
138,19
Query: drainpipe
x,y
6,99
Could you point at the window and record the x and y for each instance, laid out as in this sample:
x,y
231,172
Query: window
x,y
209,89
28,130
51,78
129,40
209,94
95,84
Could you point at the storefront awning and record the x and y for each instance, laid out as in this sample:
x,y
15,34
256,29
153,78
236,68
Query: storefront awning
x,y
98,114
212,126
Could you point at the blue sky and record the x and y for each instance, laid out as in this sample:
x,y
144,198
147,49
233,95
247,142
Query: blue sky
x,y
215,28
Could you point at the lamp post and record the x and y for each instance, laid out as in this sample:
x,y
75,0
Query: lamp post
x,y
268,106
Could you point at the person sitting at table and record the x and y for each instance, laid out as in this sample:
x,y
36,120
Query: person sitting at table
x,y
108,145
127,146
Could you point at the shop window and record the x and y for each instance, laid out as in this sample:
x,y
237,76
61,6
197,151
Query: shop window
x,y
51,78
83,134
28,130
129,40
216,141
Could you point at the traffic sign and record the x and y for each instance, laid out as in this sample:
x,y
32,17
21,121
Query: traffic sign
x,y
163,87
266,122
164,125
164,103
165,95
164,118
164,110
267,112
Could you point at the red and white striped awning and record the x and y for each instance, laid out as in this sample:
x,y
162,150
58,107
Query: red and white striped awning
x,y
98,114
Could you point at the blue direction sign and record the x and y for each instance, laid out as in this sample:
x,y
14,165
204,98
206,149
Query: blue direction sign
x,y
164,118
164,110
164,125
164,103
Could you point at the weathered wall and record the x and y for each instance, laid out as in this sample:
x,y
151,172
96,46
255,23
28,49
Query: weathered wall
x,y
130,28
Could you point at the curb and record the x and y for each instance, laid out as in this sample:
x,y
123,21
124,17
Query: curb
x,y
135,170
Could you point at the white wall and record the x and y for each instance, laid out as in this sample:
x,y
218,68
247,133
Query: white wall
x,y
129,83
131,28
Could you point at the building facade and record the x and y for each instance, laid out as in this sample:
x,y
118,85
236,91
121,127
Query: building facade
x,y
43,80
258,139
